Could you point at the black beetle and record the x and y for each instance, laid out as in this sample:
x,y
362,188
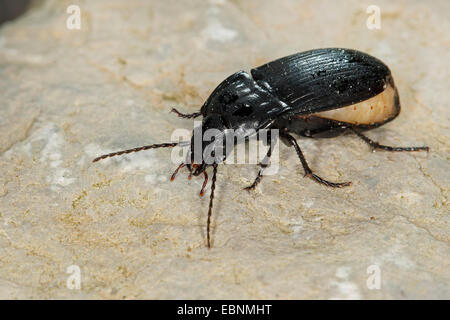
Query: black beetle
x,y
321,92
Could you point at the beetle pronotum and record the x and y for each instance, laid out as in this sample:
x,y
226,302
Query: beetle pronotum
x,y
322,92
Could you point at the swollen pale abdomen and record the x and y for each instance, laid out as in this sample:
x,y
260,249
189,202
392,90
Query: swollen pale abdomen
x,y
375,110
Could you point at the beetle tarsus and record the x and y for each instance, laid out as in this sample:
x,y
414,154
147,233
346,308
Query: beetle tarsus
x,y
326,182
375,145
186,115
256,182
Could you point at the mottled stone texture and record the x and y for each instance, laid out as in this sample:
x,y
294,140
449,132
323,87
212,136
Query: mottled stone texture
x,y
70,95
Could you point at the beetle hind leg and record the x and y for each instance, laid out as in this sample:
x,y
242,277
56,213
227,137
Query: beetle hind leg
x,y
308,171
376,145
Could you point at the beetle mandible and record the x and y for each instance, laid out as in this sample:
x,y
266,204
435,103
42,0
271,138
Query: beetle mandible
x,y
317,93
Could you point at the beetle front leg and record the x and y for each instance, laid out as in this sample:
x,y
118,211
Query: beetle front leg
x,y
308,171
376,145
186,115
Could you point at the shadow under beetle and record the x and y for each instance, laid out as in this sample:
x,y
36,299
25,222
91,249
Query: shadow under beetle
x,y
322,92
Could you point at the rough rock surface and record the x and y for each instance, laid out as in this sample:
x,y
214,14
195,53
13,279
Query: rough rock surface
x,y
70,95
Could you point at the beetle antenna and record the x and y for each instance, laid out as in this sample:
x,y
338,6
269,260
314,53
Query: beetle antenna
x,y
211,198
186,115
152,146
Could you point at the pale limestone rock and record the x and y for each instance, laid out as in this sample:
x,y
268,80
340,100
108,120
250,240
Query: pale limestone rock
x,y
70,95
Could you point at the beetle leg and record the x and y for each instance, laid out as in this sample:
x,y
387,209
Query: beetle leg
x,y
376,145
308,171
264,164
186,115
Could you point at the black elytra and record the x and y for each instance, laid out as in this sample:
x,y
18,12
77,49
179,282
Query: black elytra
x,y
316,93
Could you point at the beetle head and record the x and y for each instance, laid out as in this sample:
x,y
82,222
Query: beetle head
x,y
208,144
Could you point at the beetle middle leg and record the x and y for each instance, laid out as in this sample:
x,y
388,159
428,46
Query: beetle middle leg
x,y
186,115
376,145
264,164
308,171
